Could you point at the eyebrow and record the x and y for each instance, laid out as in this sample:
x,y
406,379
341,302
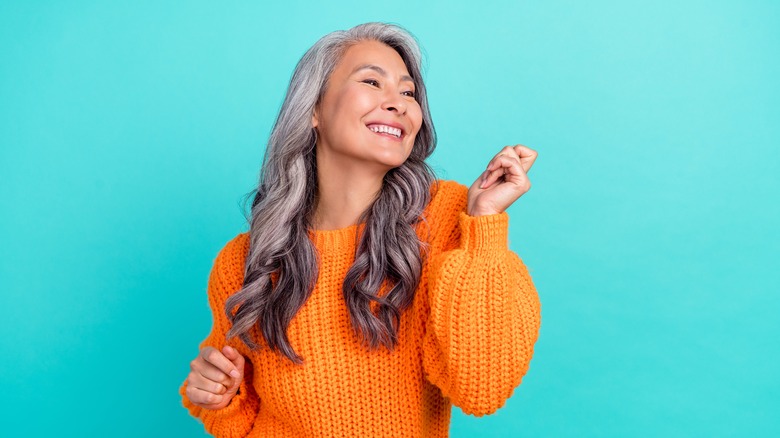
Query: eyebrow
x,y
379,70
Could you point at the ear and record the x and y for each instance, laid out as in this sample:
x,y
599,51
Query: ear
x,y
314,118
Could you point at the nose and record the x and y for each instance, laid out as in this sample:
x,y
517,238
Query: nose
x,y
394,102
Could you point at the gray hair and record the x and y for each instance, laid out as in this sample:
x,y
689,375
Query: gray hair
x,y
388,249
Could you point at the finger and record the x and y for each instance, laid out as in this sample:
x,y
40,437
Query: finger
x,y
200,396
495,170
234,356
209,373
527,156
523,150
504,167
216,358
491,175
506,151
198,380
495,163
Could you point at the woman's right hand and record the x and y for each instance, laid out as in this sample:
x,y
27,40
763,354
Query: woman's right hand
x,y
215,377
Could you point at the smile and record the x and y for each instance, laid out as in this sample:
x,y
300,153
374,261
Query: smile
x,y
385,131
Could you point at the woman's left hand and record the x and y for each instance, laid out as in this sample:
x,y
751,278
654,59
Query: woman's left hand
x,y
504,181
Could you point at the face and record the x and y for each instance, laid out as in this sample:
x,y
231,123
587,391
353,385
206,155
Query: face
x,y
368,113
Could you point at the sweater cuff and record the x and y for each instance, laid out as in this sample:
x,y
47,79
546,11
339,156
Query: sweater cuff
x,y
241,406
484,233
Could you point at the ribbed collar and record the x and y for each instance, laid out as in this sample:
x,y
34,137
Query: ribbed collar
x,y
340,239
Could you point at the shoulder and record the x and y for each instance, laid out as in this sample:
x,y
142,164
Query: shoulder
x,y
236,247
230,260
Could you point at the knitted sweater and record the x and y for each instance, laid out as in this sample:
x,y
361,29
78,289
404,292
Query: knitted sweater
x,y
467,339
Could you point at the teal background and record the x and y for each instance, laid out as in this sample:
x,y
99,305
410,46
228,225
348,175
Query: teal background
x,y
130,131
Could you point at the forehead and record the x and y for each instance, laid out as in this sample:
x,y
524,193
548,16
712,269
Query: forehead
x,y
371,52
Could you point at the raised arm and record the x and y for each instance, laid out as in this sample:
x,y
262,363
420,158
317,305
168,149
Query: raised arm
x,y
484,318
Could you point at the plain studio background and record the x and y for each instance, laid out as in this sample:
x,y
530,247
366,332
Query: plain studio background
x,y
130,132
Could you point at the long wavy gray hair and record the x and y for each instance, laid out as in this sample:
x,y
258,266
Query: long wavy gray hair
x,y
388,249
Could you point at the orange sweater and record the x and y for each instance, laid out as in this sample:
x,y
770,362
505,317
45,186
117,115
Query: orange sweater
x,y
466,340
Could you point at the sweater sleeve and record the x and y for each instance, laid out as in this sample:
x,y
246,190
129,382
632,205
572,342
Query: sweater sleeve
x,y
237,418
484,317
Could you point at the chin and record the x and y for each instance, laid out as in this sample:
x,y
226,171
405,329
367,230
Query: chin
x,y
393,163
393,160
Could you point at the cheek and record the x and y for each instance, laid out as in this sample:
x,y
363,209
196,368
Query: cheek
x,y
415,114
355,102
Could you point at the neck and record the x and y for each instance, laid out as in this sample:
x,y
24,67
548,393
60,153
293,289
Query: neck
x,y
346,190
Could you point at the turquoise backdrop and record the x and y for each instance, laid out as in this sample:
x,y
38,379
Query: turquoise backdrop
x,y
130,131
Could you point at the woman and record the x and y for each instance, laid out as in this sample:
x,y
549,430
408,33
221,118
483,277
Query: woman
x,y
367,296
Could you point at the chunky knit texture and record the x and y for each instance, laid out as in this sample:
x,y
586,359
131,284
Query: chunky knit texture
x,y
466,340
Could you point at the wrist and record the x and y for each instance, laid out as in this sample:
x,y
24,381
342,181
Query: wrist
x,y
478,212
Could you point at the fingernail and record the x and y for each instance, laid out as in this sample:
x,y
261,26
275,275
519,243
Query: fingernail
x,y
235,374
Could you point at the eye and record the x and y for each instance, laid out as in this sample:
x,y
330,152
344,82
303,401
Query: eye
x,y
411,93
372,82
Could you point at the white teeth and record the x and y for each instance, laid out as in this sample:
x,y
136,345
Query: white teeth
x,y
384,128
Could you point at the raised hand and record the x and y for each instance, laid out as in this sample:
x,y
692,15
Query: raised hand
x,y
503,182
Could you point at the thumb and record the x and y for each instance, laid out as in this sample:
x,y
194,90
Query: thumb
x,y
238,361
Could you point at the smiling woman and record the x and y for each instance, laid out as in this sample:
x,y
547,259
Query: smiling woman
x,y
366,122
398,289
